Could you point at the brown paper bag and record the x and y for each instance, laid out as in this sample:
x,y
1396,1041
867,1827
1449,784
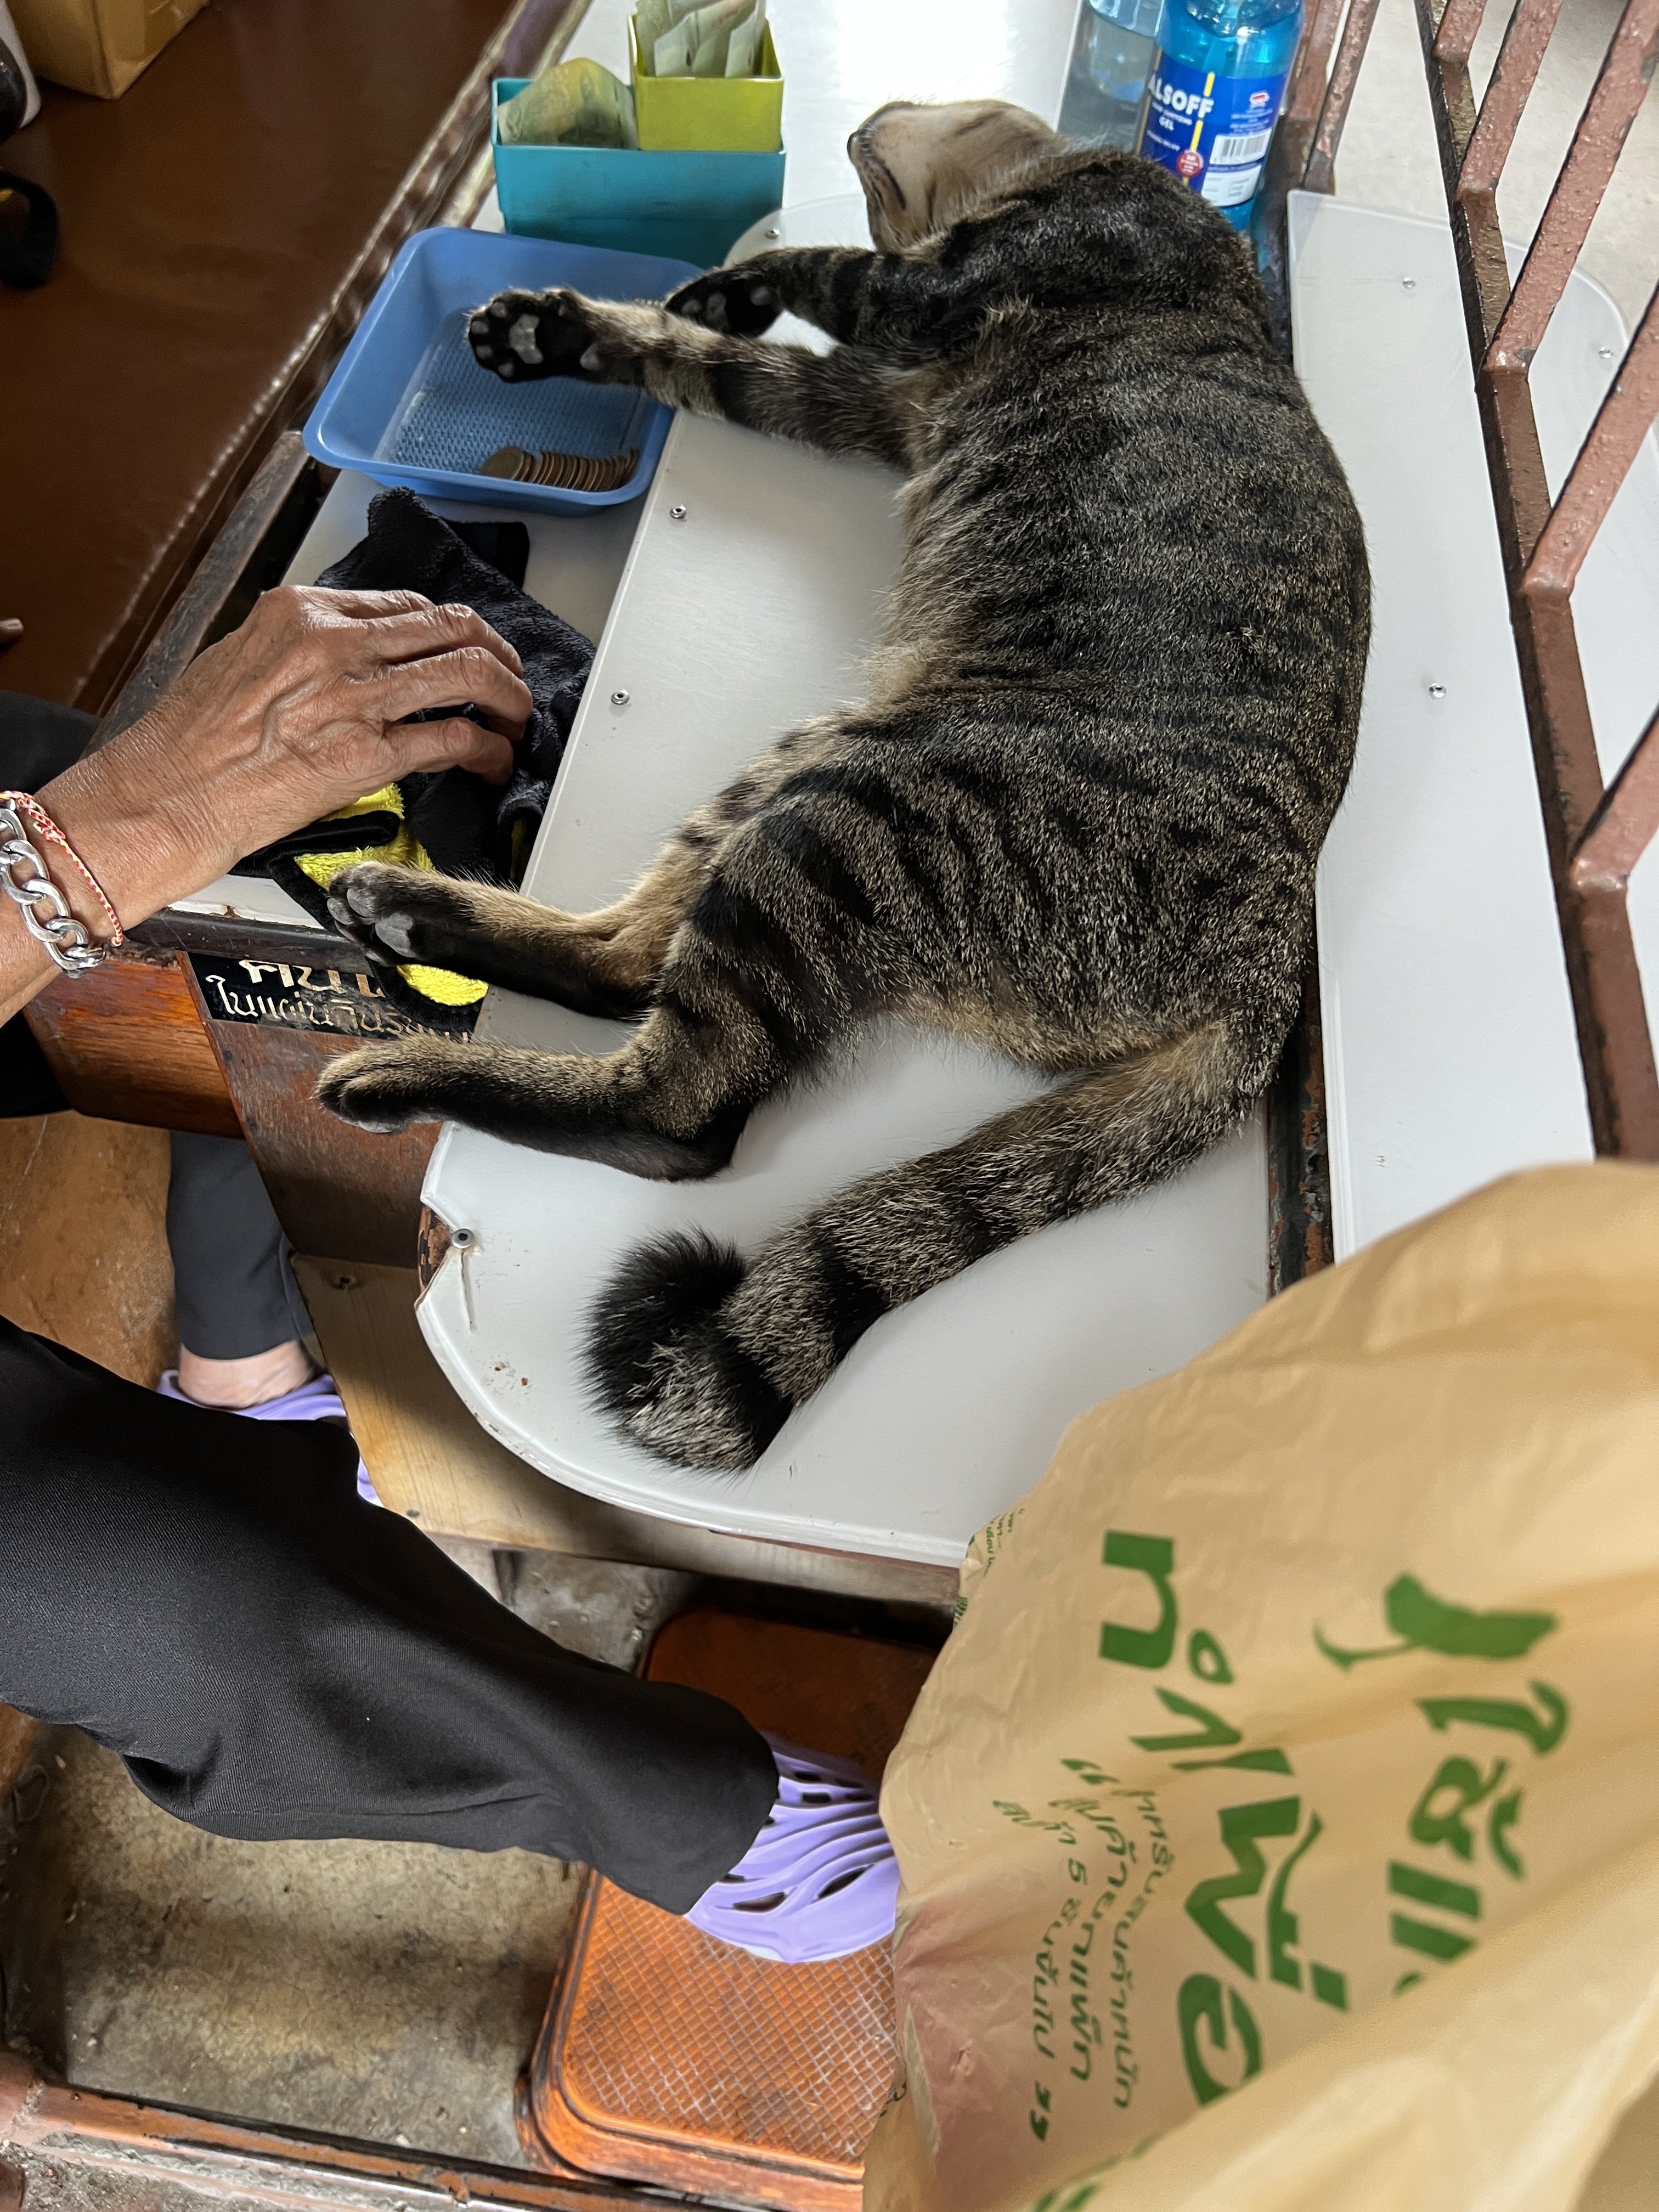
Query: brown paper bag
x,y
1280,1825
98,45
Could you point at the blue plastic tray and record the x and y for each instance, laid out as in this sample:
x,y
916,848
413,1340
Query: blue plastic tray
x,y
408,404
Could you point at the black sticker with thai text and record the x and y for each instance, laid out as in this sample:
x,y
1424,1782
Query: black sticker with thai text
x,y
285,994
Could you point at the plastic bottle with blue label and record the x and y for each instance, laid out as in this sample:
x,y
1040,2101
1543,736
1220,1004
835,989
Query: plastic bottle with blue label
x,y
1116,45
1214,94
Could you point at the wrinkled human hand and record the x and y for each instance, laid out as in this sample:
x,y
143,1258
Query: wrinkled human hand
x,y
300,711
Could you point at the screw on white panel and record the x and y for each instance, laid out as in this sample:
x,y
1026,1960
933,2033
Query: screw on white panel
x,y
464,1242
1437,690
1408,283
773,232
1606,352
676,515
619,698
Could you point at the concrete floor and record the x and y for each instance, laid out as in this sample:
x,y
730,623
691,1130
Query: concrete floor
x,y
378,1990
385,1991
83,1254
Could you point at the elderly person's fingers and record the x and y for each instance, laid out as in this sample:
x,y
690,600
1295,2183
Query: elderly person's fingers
x,y
469,676
302,709
400,625
421,748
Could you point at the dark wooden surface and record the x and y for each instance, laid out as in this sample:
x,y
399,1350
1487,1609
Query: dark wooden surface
x,y
252,552
340,1192
225,224
126,1043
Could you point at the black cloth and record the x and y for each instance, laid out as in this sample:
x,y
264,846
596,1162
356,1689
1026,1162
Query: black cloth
x,y
27,1085
468,826
39,740
274,1658
28,246
234,1291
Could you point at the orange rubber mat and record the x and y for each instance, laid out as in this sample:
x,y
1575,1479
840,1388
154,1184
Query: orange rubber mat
x,y
669,2058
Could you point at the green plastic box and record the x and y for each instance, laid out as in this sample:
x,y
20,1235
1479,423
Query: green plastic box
x,y
708,114
689,206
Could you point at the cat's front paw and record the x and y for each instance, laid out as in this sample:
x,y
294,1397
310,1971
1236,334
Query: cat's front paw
x,y
397,914
385,1086
738,302
526,336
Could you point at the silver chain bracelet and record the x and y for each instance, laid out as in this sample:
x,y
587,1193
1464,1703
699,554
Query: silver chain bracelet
x,y
47,913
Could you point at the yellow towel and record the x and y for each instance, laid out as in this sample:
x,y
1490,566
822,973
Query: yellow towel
x,y
405,850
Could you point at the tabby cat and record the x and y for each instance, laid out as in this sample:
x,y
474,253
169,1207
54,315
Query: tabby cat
x,y
1076,819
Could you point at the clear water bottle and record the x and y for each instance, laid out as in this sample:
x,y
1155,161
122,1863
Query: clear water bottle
x,y
1116,45
1214,94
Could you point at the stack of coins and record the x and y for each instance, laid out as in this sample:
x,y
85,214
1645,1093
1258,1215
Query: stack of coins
x,y
563,471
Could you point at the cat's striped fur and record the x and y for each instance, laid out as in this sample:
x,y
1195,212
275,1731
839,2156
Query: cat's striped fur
x,y
1076,820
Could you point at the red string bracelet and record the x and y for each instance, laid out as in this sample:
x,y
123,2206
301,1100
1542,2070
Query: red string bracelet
x,y
26,805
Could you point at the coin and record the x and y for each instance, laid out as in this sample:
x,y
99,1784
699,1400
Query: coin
x,y
508,461
588,473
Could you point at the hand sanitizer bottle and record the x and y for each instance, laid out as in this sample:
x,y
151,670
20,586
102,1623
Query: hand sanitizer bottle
x,y
1214,94
1116,45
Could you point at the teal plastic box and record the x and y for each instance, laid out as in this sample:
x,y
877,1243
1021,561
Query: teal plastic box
x,y
691,207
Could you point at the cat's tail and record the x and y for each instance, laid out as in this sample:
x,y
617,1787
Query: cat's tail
x,y
701,1355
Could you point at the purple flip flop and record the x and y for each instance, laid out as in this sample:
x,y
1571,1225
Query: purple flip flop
x,y
820,1880
315,1401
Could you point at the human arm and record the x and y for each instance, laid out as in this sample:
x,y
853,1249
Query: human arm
x,y
298,712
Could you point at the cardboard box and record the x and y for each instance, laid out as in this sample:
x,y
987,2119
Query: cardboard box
x,y
98,45
708,114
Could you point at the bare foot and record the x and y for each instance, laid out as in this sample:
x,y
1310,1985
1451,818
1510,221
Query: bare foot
x,y
236,1384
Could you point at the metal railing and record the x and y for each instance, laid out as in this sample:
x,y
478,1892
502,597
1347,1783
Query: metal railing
x,y
1595,832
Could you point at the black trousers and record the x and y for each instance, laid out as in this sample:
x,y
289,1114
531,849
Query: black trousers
x,y
233,1289
274,1658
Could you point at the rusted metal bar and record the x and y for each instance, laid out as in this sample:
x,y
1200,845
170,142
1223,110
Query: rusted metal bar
x,y
1476,237
85,2147
1320,174
1604,461
1458,30
1514,74
1287,159
1615,1045
1305,92
1620,88
1624,825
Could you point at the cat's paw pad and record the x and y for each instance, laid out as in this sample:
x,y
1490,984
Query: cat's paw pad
x,y
380,909
732,300
382,1088
524,336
